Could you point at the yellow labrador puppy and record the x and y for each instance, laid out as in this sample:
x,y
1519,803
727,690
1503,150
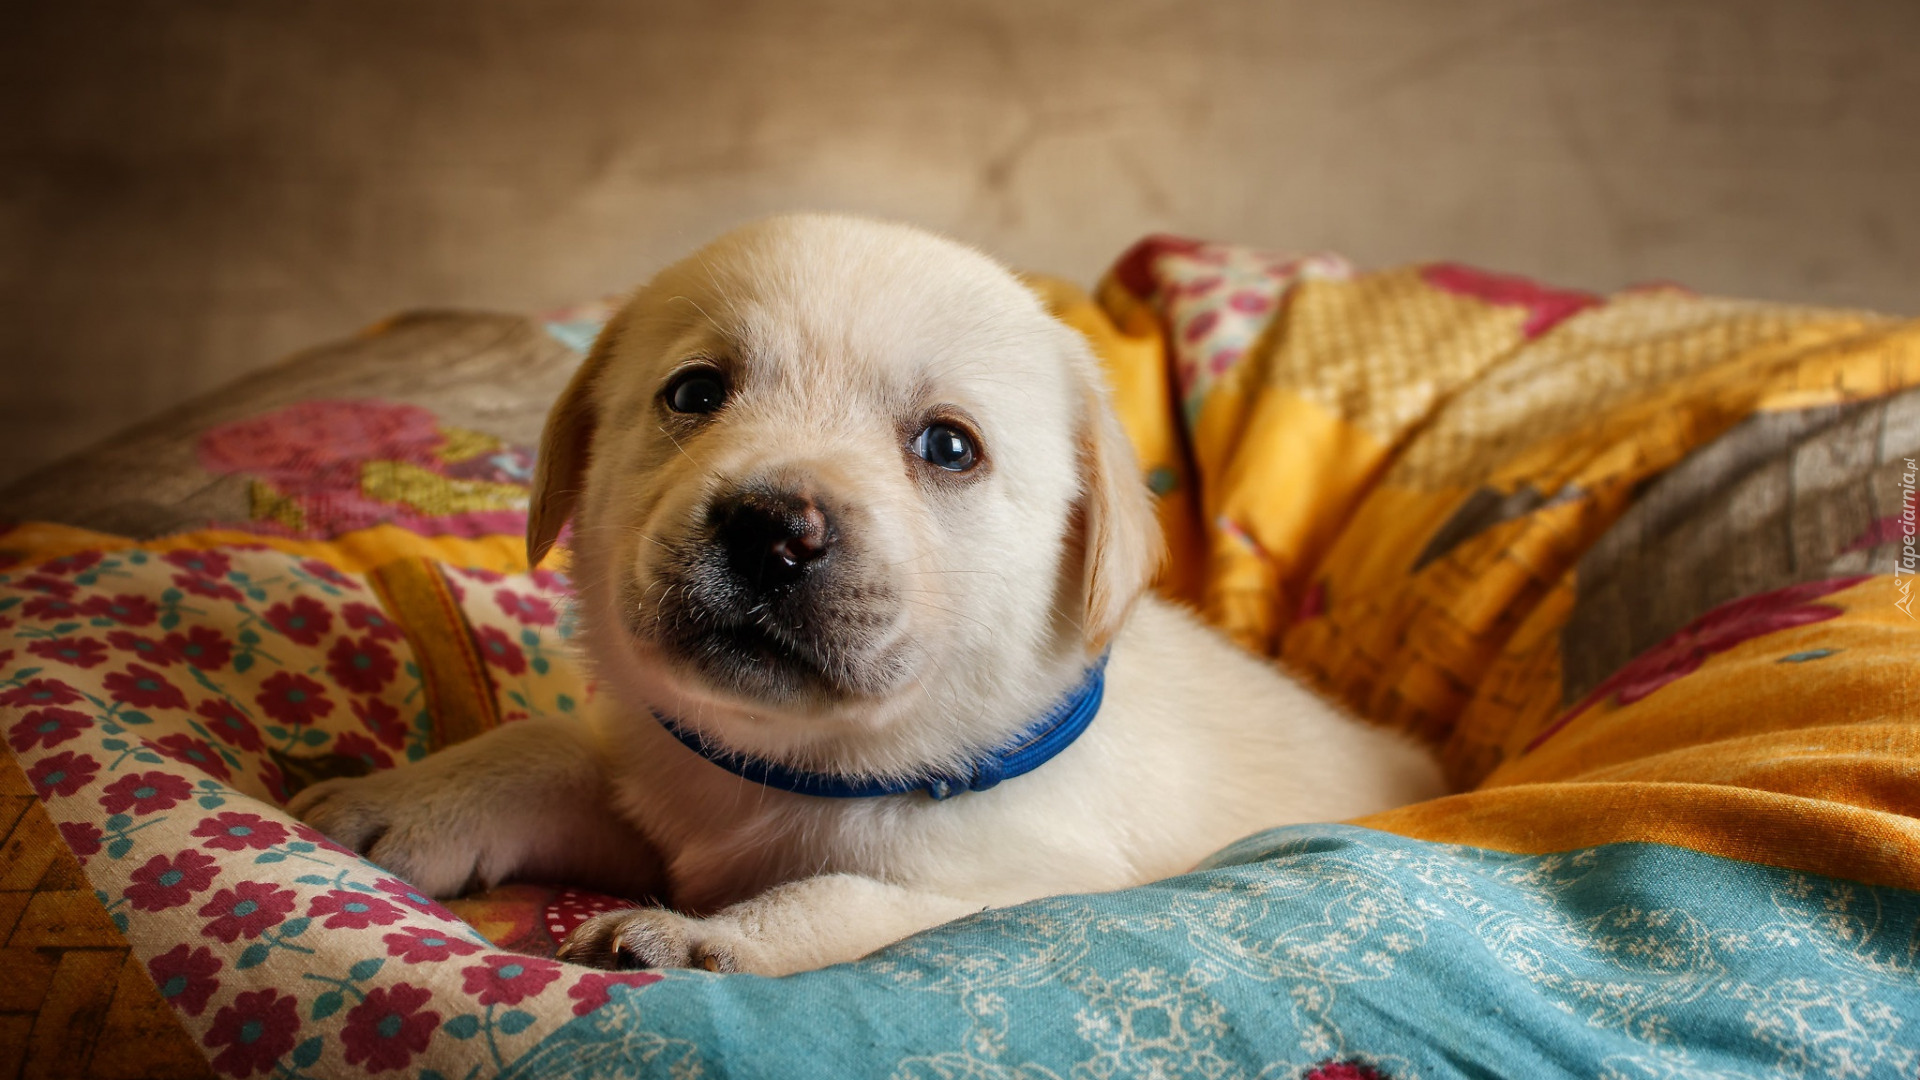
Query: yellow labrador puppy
x,y
862,554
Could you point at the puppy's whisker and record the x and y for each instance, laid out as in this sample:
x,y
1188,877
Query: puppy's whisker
x,y
950,611
676,443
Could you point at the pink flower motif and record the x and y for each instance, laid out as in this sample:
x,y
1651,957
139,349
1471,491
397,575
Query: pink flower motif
x,y
352,744
415,899
234,831
83,837
1223,359
386,1029
185,977
303,619
1200,325
202,646
509,979
255,1031
528,609
383,720
204,564
248,910
229,724
124,609
38,692
293,699
153,652
167,881
189,750
591,991
344,909
372,620
326,572
82,653
67,565
1718,630
144,688
417,946
145,793
62,774
1247,302
47,728
500,650
199,586
364,666
49,608
1546,307
49,586
308,437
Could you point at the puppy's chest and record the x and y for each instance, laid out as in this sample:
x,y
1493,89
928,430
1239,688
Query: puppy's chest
x,y
727,841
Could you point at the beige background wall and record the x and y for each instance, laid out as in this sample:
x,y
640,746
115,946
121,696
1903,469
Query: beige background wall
x,y
190,189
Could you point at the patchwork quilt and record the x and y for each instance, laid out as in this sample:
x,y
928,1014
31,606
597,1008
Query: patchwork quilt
x,y
1639,568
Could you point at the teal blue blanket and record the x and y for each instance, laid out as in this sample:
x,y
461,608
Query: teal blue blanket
x,y
1336,953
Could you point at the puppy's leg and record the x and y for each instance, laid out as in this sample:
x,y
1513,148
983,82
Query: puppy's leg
x,y
799,926
528,799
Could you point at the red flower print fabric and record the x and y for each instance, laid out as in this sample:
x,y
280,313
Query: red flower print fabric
x,y
254,1032
247,910
186,976
167,881
304,620
164,704
389,1027
144,793
46,727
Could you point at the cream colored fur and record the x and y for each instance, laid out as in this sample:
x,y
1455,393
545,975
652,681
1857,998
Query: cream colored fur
x,y
997,589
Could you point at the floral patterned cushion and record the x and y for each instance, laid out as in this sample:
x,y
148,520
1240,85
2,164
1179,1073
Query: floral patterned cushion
x,y
1639,567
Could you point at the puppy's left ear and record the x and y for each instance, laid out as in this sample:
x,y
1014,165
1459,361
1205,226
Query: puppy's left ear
x,y
1119,533
560,470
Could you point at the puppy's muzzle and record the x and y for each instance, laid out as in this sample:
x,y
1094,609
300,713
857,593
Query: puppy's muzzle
x,y
773,539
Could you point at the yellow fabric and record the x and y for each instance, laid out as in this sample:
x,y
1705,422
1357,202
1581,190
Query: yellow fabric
x,y
1364,416
355,552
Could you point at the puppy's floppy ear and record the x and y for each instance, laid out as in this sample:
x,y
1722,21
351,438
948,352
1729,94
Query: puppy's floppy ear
x,y
1120,540
560,470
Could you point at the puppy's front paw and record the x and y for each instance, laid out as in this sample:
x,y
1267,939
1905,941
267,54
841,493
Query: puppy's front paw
x,y
410,829
651,938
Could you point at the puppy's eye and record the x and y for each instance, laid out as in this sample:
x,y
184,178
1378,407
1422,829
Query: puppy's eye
x,y
700,390
946,447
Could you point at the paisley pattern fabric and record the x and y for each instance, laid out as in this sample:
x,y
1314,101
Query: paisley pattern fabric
x,y
1634,566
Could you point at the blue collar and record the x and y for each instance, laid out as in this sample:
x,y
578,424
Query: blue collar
x,y
1025,752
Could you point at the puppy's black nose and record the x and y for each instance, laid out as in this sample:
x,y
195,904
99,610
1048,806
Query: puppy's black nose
x,y
771,538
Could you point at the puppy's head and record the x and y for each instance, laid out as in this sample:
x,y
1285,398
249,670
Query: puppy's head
x,y
829,474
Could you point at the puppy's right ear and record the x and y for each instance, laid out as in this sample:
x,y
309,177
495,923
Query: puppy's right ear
x,y
560,470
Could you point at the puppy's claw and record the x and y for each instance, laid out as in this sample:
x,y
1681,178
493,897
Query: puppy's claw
x,y
648,938
338,809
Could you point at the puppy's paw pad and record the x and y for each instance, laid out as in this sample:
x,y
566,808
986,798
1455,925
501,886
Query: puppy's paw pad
x,y
647,938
